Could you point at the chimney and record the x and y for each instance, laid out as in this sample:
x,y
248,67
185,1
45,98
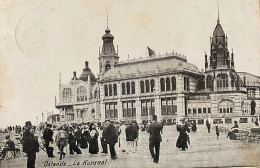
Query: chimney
x,y
74,74
86,65
244,81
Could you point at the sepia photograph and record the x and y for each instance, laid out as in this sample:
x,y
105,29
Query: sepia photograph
x,y
129,83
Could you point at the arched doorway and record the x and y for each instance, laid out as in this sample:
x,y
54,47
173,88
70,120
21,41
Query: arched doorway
x,y
253,104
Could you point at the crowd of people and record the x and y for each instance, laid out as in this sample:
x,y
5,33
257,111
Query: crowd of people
x,y
91,135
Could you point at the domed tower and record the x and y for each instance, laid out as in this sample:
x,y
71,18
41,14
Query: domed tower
x,y
87,72
108,58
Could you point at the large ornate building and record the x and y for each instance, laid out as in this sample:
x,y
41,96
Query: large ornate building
x,y
166,85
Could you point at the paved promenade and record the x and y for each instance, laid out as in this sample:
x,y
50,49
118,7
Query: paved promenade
x,y
205,151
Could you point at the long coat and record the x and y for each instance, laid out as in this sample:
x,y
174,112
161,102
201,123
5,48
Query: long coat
x,y
131,133
47,135
110,134
30,142
93,142
155,130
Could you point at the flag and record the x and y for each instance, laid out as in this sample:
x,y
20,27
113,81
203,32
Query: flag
x,y
150,52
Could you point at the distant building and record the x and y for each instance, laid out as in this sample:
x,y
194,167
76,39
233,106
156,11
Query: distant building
x,y
166,85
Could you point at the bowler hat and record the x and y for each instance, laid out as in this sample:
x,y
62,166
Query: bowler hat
x,y
27,123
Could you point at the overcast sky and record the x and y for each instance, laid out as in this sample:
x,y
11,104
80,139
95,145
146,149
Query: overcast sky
x,y
40,38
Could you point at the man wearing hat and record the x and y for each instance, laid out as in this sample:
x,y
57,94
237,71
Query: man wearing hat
x,y
30,145
155,138
47,136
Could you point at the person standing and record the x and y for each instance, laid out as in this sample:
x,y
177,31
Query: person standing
x,y
84,137
155,139
183,137
208,125
102,141
61,141
217,131
130,137
93,140
110,135
30,145
47,136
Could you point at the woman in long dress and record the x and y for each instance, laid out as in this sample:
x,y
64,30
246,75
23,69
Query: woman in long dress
x,y
84,138
93,140
183,139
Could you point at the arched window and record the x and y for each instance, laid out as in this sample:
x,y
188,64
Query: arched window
x,y
108,66
173,83
66,95
110,90
115,89
133,87
128,88
209,82
162,82
142,86
152,85
168,84
106,90
123,88
222,81
147,87
81,94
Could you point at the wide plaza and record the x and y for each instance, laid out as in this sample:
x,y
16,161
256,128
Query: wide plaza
x,y
205,150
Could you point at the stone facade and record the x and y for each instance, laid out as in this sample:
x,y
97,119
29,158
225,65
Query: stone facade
x,y
166,85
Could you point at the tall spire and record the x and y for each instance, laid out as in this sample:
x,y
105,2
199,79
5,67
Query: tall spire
x,y
218,11
107,18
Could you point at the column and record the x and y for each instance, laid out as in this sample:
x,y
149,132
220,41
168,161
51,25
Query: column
x,y
120,109
102,111
180,105
138,110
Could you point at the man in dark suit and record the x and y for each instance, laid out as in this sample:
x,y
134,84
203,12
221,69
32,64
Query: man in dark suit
x,y
110,135
47,136
30,145
155,138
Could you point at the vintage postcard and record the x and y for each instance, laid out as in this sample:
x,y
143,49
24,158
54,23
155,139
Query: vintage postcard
x,y
120,83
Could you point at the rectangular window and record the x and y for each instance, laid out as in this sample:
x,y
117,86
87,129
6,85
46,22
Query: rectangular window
x,y
204,110
220,110
231,110
116,111
228,121
164,106
111,109
243,120
143,108
194,111
124,106
224,110
107,113
199,110
227,110
209,110
133,109
189,111
169,106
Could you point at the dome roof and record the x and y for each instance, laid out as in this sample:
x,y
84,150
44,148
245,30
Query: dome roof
x,y
87,72
108,35
218,31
